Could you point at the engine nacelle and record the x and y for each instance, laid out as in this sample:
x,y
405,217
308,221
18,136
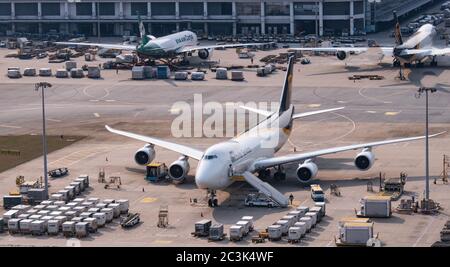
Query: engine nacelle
x,y
179,169
364,160
341,55
306,171
144,155
203,54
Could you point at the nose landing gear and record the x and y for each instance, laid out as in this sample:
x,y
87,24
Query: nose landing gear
x,y
212,200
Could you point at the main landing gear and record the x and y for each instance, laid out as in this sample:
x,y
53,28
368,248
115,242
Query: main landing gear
x,y
212,200
279,174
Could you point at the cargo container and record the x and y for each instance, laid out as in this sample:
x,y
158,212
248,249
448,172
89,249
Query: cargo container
x,y
64,209
77,219
317,210
352,219
46,218
275,232
11,201
261,72
302,226
68,228
162,72
284,226
221,73
82,229
355,233
375,206
84,178
124,205
53,227
297,215
70,214
24,216
197,76
70,65
79,200
313,216
216,232
94,200
61,218
308,223
38,227
109,201
246,225
40,207
86,214
72,191
94,72
62,73
21,208
56,213
87,204
237,75
294,234
59,203
2,225
109,213
93,226
57,197
76,73
181,75
149,73
35,217
47,202
72,205
101,205
37,195
93,210
303,210
202,228
25,226
290,218
323,206
29,72
45,72
80,209
66,196
51,207
236,232
32,211
250,219
116,209
44,212
137,73
77,186
14,225
101,218
10,214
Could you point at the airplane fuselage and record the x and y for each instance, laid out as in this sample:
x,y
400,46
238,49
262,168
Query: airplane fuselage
x,y
166,47
422,38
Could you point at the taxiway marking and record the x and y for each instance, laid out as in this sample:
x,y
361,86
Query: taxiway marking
x,y
96,115
391,113
148,200
10,126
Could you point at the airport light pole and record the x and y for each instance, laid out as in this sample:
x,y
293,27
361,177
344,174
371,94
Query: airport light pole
x,y
426,90
43,86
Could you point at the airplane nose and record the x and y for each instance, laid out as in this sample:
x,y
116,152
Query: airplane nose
x,y
202,181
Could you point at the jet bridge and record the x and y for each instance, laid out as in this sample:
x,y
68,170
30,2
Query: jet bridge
x,y
266,189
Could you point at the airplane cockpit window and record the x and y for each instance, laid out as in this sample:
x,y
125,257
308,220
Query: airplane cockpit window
x,y
208,157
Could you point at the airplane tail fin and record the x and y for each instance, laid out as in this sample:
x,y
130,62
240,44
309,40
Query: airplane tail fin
x,y
285,100
143,35
397,31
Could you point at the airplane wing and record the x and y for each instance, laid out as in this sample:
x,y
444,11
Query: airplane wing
x,y
309,113
195,48
259,111
427,52
184,150
270,162
357,50
107,46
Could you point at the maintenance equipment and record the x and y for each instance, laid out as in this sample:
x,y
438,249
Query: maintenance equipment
x,y
101,176
60,172
114,181
356,234
335,190
202,228
156,171
131,220
163,216
375,206
445,169
394,187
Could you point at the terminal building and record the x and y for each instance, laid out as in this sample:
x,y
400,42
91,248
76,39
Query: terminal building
x,y
206,17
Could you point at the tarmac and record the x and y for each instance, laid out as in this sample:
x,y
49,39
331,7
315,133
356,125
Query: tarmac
x,y
374,110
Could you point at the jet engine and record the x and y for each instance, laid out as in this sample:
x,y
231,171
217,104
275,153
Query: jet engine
x,y
341,55
179,169
306,171
144,155
203,54
364,160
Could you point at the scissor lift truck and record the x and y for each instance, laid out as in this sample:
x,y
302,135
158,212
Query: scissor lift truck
x,y
156,171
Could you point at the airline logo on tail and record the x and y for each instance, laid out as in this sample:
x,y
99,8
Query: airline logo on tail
x,y
397,31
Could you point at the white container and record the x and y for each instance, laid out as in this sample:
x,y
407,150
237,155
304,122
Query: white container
x,y
72,205
101,218
284,226
44,212
109,201
249,219
72,191
70,214
32,211
116,209
57,197
290,218
124,205
24,216
38,227
14,74
137,73
308,223
83,178
47,203
64,209
236,232
294,233
318,211
275,232
109,214
56,213
25,226
313,216
221,74
29,72
303,210
61,218
70,65
78,190
94,72
10,214
297,215
51,207
45,72
82,229
93,210
80,209
14,225
323,206
40,207
79,200
77,219
197,76
53,227
92,224
237,75
94,200
86,214
68,228
76,73
46,218
61,73
59,203
35,217
181,75
302,226
87,204
246,225
66,194
101,205
21,208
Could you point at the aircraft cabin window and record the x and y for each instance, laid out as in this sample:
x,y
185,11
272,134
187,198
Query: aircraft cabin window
x,y
210,157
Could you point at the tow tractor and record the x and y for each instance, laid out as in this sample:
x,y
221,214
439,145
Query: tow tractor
x,y
156,171
131,220
259,200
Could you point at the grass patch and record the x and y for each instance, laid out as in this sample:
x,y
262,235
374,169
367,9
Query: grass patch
x,y
18,149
